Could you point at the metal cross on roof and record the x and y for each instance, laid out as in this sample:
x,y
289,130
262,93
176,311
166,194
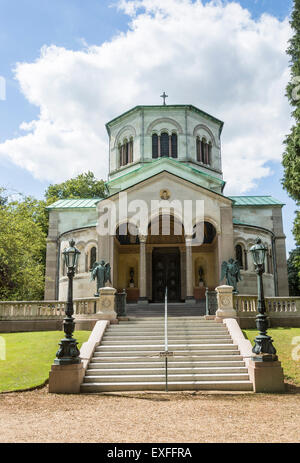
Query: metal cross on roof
x,y
164,96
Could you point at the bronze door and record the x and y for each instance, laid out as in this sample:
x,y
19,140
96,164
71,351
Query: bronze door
x,y
166,272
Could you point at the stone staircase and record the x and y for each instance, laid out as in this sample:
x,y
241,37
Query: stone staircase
x,y
128,357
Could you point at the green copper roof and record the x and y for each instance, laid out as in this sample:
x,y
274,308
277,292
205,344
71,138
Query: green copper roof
x,y
255,201
74,203
177,168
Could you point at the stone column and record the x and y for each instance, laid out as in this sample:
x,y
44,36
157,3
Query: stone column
x,y
170,146
104,246
142,283
189,271
183,272
225,239
51,290
159,146
225,303
280,250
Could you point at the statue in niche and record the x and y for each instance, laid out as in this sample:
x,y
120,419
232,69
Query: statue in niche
x,y
102,272
131,281
201,277
231,271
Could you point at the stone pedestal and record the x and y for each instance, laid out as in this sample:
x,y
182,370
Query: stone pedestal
x,y
106,306
225,303
266,376
66,379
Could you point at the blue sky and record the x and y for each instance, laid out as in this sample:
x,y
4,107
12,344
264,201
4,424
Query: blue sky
x,y
27,25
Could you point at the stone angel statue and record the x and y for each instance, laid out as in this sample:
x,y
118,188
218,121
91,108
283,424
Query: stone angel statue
x,y
231,271
102,272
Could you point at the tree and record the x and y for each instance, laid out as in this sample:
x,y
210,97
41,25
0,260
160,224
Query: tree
x,y
83,186
291,157
22,249
23,232
3,197
293,275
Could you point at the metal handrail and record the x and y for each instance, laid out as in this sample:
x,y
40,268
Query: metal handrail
x,y
166,320
166,336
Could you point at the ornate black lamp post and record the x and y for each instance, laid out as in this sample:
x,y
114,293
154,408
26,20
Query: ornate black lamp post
x,y
68,352
263,343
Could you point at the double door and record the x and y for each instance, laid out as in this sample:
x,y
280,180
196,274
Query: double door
x,y
166,273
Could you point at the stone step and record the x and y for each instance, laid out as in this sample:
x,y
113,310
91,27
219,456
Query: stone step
x,y
159,347
158,378
172,386
157,321
161,371
204,356
200,354
156,336
160,341
131,363
161,329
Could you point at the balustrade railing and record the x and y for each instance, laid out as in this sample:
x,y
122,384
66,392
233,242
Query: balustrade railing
x,y
26,310
11,310
247,305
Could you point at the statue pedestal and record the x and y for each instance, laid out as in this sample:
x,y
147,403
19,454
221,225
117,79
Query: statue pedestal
x,y
225,303
106,305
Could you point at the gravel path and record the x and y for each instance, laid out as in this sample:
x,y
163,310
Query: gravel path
x,y
37,416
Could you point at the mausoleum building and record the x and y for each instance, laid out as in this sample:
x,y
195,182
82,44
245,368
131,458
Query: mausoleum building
x,y
166,155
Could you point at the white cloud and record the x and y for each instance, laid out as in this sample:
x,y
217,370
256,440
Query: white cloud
x,y
216,57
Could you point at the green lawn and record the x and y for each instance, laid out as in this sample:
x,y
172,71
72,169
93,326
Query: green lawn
x,y
283,338
29,357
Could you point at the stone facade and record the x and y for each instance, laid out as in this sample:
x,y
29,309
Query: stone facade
x,y
231,224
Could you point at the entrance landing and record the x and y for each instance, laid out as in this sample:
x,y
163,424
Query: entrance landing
x,y
174,310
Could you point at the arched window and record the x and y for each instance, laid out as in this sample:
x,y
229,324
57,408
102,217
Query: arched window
x,y
203,144
239,255
174,145
130,150
203,150
198,149
93,257
164,144
126,152
209,153
154,146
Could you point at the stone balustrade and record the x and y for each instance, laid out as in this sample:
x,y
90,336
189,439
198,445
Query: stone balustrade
x,y
85,306
40,310
29,310
247,305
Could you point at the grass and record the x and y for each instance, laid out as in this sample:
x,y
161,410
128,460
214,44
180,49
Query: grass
x,y
29,357
283,342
